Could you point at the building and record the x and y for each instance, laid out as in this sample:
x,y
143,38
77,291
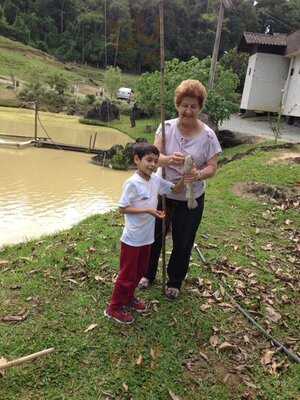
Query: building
x,y
273,75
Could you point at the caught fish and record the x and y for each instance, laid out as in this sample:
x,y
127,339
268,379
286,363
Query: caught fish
x,y
190,195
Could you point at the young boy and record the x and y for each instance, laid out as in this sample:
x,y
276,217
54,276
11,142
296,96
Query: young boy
x,y
139,205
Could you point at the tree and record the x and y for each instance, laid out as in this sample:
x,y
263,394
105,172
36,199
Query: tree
x,y
58,83
112,80
238,62
221,102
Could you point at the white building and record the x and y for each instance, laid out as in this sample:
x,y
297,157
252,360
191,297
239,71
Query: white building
x,y
273,75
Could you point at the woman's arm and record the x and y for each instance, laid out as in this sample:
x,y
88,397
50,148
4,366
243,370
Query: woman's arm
x,y
173,159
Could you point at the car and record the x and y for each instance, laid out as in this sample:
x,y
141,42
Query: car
x,y
124,93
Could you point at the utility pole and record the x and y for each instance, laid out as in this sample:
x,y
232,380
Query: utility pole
x,y
105,33
214,59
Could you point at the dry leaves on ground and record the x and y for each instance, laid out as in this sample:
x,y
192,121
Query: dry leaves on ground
x,y
21,316
173,395
90,328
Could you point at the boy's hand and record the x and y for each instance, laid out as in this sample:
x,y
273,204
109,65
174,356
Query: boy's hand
x,y
156,213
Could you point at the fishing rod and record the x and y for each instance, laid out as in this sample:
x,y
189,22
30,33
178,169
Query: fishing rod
x,y
163,133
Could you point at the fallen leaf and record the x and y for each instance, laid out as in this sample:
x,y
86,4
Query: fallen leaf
x,y
139,360
90,328
214,340
267,357
73,281
272,314
205,307
246,339
203,355
99,278
16,318
275,366
92,250
4,263
125,387
173,395
226,346
152,354
26,258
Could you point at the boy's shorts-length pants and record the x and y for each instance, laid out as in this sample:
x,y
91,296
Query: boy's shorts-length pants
x,y
133,266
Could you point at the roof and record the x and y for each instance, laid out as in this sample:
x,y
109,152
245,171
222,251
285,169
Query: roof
x,y
276,39
293,44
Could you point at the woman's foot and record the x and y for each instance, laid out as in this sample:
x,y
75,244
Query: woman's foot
x,y
144,283
172,293
121,316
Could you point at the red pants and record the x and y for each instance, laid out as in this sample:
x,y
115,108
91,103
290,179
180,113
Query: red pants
x,y
133,266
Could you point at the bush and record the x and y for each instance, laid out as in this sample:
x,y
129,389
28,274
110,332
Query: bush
x,y
221,102
120,161
123,106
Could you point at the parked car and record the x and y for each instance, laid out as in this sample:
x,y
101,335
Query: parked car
x,y
125,93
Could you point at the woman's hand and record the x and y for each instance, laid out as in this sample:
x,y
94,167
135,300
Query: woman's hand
x,y
193,176
176,159
156,213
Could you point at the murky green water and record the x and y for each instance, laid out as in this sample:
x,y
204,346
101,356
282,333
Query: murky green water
x,y
43,191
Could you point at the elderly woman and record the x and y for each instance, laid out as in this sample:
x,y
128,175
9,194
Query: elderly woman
x,y
185,135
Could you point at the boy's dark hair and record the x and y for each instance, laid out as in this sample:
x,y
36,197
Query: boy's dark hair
x,y
143,149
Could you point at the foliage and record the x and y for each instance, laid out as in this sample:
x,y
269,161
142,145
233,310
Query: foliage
x,y
34,91
58,83
119,161
112,80
74,30
221,100
238,62
53,99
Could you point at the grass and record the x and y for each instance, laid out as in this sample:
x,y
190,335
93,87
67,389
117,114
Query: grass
x,y
65,281
25,62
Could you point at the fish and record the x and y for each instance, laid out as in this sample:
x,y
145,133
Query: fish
x,y
190,194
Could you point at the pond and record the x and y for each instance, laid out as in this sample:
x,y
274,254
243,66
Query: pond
x,y
43,191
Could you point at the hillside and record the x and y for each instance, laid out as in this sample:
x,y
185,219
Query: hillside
x,y
23,62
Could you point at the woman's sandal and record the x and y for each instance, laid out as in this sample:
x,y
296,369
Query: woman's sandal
x,y
144,284
172,293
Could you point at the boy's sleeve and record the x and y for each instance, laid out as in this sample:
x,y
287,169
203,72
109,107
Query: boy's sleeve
x,y
129,194
165,187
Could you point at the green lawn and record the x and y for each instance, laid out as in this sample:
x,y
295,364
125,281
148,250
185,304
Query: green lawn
x,y
64,283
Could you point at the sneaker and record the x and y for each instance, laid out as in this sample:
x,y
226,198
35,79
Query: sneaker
x,y
121,316
144,283
138,305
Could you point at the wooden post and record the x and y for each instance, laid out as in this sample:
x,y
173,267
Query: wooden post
x,y
25,359
35,120
162,119
94,142
214,58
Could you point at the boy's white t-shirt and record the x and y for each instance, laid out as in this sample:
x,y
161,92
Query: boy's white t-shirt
x,y
139,193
